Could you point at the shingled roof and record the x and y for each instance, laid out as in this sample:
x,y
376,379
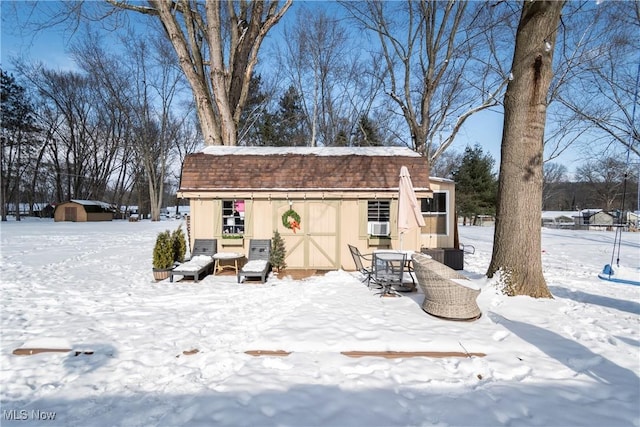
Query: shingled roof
x,y
301,169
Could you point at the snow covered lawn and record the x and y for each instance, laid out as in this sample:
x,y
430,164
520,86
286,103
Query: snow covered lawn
x,y
570,361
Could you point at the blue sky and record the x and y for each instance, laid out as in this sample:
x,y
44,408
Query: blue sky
x,y
18,40
50,47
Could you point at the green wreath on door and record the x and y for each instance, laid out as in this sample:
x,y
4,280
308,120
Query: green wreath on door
x,y
291,220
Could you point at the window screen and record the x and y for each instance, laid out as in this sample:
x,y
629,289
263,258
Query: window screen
x,y
378,210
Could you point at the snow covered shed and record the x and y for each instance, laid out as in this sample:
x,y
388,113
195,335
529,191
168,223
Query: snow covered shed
x,y
594,219
335,195
82,211
559,219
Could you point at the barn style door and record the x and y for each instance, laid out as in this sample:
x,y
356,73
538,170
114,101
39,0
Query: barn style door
x,y
70,213
315,245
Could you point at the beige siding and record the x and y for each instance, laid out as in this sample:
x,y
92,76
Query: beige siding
x,y
250,217
203,225
430,239
329,221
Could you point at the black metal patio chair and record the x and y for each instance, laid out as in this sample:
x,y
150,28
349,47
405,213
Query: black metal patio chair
x,y
359,259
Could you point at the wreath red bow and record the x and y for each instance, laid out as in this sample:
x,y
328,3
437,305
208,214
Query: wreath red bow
x,y
291,220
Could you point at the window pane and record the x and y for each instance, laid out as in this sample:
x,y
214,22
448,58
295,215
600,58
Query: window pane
x,y
233,216
436,204
378,210
435,224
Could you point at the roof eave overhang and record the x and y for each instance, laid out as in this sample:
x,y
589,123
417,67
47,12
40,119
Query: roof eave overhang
x,y
296,190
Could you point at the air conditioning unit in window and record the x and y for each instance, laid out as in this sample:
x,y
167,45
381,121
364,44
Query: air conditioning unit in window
x,y
379,228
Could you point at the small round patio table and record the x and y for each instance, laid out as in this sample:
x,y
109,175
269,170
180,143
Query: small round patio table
x,y
226,256
408,265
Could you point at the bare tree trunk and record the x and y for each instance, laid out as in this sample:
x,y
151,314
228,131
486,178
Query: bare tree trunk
x,y
18,183
517,240
189,48
217,54
218,75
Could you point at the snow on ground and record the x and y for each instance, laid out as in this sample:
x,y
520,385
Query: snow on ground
x,y
569,361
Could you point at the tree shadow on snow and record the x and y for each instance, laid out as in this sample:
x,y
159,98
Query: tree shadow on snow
x,y
579,296
347,405
570,353
95,357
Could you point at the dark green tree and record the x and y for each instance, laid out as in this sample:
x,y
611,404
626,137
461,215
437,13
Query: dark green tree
x,y
278,252
290,120
282,128
179,243
253,115
268,131
476,184
17,141
367,133
342,140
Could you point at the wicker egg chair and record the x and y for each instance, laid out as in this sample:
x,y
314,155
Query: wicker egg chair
x,y
447,293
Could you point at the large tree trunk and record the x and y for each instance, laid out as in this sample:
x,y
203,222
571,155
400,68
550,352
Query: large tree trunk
x,y
517,251
218,62
189,49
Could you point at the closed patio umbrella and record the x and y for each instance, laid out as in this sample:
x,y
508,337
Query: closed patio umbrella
x,y
409,215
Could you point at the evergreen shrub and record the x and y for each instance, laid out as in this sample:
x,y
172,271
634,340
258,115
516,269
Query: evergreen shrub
x,y
179,243
278,252
163,251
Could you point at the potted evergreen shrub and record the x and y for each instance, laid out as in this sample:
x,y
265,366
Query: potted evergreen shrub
x,y
163,256
179,243
278,252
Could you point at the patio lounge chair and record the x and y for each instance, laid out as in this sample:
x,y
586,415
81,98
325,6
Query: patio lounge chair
x,y
358,260
258,260
447,293
201,260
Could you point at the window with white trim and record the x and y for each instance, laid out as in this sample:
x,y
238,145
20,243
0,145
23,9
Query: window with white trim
x,y
434,211
233,216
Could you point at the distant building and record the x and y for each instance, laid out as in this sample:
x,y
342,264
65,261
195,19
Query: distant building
x,y
559,219
83,210
633,219
25,209
594,219
48,211
183,211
